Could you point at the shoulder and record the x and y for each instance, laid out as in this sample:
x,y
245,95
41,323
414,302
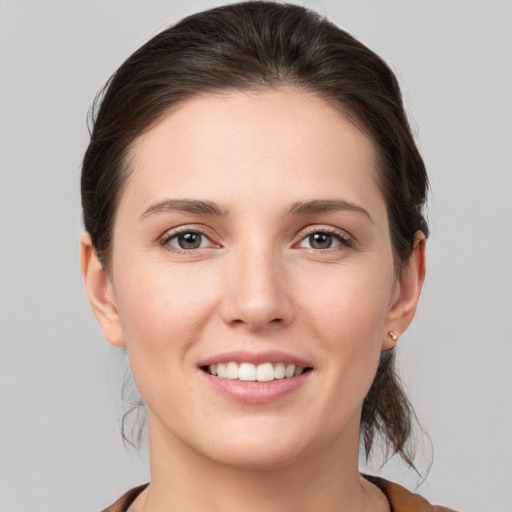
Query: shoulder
x,y
402,500
122,504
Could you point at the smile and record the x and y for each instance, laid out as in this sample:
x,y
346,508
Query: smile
x,y
255,377
249,372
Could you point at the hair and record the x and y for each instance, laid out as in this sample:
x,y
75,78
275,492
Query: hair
x,y
256,46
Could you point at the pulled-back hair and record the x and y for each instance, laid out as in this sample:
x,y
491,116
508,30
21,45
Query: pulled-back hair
x,y
254,46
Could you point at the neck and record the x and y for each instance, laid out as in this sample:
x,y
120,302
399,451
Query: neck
x,y
185,480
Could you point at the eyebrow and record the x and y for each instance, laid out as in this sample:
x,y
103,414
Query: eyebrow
x,y
325,206
210,208
184,205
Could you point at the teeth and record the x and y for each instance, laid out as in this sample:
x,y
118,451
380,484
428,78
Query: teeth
x,y
247,371
290,371
279,370
221,370
232,370
265,372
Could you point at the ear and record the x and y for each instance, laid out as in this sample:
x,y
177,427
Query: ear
x,y
407,294
100,292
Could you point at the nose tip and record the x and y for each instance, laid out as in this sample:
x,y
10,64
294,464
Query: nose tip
x,y
255,316
257,296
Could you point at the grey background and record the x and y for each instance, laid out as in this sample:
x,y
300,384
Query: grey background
x,y
60,448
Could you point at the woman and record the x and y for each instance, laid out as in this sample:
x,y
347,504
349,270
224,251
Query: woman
x,y
252,200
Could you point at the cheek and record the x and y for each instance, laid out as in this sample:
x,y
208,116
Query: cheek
x,y
162,311
349,316
349,304
343,316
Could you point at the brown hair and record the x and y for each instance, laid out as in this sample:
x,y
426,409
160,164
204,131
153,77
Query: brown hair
x,y
255,45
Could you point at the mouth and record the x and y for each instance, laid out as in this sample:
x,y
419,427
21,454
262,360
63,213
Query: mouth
x,y
249,372
256,377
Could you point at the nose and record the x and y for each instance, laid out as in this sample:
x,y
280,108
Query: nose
x,y
257,291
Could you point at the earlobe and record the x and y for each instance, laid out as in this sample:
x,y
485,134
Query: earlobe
x,y
408,293
100,292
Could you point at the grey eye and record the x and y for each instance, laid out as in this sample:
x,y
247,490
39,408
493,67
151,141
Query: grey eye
x,y
188,240
320,240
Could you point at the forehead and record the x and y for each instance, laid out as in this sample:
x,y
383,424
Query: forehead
x,y
273,140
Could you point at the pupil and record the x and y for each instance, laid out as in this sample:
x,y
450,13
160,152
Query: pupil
x,y
189,240
320,240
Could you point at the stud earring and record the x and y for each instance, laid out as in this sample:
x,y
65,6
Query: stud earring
x,y
393,335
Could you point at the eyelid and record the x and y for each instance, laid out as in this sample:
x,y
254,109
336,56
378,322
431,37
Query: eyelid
x,y
346,238
187,228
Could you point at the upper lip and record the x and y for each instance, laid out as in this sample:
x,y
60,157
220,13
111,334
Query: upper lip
x,y
242,356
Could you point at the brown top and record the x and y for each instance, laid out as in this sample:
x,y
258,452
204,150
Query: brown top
x,y
400,499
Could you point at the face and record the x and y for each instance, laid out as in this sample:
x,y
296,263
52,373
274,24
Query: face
x,y
252,277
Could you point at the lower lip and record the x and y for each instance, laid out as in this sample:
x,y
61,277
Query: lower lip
x,y
249,392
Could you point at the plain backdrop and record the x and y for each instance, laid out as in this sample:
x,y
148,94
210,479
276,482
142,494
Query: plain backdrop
x,y
60,382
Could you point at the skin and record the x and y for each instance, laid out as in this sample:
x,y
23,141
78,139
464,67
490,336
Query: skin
x,y
255,284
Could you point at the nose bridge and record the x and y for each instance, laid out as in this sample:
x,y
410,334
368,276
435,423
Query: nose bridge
x,y
256,291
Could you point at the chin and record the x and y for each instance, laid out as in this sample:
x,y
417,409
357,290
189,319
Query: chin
x,y
266,446
254,457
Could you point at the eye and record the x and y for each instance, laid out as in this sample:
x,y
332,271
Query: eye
x,y
322,240
187,240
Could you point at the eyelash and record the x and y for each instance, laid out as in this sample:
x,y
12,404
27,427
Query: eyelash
x,y
166,239
344,239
